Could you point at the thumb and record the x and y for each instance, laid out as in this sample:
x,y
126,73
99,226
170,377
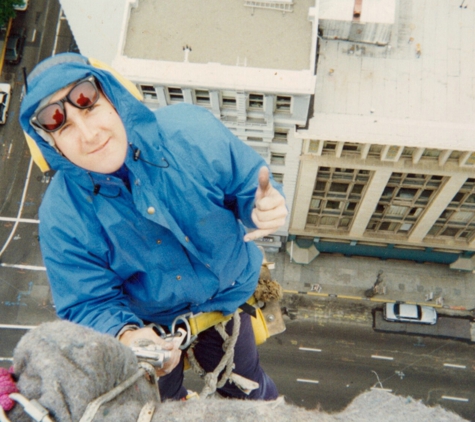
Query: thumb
x,y
264,184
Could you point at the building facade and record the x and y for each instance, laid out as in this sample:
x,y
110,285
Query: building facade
x,y
387,166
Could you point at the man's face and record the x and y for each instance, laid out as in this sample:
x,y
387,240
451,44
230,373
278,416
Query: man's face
x,y
93,138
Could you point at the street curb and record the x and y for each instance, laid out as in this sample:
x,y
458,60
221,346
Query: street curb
x,y
366,299
347,308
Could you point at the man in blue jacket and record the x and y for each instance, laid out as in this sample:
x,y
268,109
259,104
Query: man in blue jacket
x,y
144,218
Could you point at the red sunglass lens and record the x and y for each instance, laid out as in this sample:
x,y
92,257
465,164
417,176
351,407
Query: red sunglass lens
x,y
51,117
83,95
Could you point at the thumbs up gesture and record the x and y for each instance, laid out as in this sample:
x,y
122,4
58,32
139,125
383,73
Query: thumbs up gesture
x,y
269,212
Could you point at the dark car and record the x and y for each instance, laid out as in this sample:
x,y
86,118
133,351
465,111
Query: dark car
x,y
15,45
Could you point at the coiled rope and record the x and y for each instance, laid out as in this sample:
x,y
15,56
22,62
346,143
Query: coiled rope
x,y
227,361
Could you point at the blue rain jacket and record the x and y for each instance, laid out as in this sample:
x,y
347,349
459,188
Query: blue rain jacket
x,y
171,244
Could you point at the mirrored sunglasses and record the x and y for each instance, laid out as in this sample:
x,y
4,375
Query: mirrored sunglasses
x,y
84,94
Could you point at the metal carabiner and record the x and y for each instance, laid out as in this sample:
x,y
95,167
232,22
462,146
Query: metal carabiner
x,y
173,334
189,338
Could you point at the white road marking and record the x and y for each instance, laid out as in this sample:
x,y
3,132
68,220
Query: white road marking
x,y
382,357
33,38
23,267
20,220
308,349
17,327
305,380
5,359
22,202
452,365
455,398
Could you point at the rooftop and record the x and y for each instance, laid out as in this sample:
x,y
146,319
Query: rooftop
x,y
419,90
225,32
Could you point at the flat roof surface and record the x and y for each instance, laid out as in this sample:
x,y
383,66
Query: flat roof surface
x,y
225,32
396,95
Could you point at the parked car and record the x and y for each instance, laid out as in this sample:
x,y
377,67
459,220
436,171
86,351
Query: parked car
x,y
23,7
403,312
5,96
15,44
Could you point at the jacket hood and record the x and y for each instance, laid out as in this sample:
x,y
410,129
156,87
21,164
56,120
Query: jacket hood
x,y
62,70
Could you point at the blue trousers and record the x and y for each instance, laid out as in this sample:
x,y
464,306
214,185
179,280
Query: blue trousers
x,y
209,351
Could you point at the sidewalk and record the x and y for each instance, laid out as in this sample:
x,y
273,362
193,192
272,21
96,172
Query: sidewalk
x,y
344,280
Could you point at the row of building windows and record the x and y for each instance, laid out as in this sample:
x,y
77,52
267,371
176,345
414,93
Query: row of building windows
x,y
336,195
228,99
392,153
338,192
458,219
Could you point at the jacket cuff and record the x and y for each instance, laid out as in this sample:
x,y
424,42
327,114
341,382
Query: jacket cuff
x,y
128,327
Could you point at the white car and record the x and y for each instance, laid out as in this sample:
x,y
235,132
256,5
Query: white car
x,y
5,96
403,312
22,7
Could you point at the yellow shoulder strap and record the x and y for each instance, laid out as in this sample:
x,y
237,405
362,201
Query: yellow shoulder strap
x,y
36,154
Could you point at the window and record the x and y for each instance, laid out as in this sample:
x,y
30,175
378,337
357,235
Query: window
x,y
202,97
388,226
315,204
314,146
149,92
278,177
280,135
175,95
228,99
328,221
431,153
335,198
407,152
333,205
339,187
329,147
277,158
256,101
375,151
320,186
283,103
450,231
357,189
470,160
455,155
350,148
392,153
462,216
388,192
405,193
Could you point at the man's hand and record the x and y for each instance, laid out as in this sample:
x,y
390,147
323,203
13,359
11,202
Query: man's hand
x,y
129,337
270,211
